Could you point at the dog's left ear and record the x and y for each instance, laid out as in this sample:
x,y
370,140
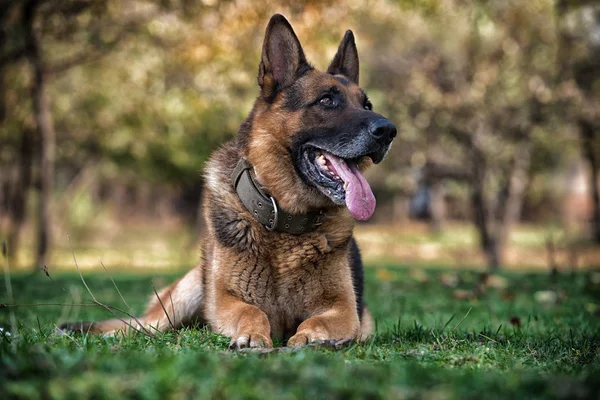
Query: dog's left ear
x,y
345,61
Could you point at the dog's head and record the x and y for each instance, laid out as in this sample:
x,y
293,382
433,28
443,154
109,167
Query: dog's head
x,y
311,134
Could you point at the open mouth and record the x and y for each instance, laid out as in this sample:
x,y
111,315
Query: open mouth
x,y
340,180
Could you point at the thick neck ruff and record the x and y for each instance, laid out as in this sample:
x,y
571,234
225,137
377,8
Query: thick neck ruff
x,y
264,208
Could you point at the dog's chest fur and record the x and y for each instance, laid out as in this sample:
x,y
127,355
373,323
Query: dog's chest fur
x,y
287,280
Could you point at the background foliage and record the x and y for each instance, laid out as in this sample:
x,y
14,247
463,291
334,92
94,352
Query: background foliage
x,y
496,104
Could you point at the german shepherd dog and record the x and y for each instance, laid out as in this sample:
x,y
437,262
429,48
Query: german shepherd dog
x,y
280,204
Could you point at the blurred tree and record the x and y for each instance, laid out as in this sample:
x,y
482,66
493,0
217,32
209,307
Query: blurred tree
x,y
139,94
579,61
29,26
44,124
14,182
473,104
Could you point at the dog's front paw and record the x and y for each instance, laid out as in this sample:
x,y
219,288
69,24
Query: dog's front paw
x,y
250,339
306,336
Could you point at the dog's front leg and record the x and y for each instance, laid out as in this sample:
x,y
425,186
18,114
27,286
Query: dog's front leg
x,y
246,324
338,322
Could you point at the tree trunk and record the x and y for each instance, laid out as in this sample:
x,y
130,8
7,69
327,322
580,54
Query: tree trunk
x,y
45,128
482,217
48,155
437,206
20,189
589,143
512,197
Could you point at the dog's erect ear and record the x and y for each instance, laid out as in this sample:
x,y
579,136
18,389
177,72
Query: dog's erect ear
x,y
345,61
282,57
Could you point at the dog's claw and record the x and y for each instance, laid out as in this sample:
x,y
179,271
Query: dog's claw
x,y
305,337
254,340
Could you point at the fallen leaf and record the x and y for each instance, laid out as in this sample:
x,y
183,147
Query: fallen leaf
x,y
496,282
592,308
449,279
546,297
419,275
507,295
384,275
460,294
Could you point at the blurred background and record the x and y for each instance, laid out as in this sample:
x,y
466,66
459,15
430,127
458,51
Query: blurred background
x,y
109,109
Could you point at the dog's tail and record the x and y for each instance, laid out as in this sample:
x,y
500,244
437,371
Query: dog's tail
x,y
173,307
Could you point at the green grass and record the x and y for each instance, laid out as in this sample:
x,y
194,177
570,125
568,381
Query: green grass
x,y
428,345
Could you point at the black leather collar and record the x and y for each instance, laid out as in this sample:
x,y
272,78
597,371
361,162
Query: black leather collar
x,y
265,209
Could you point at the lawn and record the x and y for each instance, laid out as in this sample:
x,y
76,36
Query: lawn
x,y
524,336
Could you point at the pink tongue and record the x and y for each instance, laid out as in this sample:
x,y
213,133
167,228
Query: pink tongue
x,y
359,197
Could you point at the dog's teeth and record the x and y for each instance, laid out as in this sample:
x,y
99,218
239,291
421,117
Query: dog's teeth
x,y
321,160
345,185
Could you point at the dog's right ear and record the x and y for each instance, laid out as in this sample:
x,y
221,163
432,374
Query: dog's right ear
x,y
282,59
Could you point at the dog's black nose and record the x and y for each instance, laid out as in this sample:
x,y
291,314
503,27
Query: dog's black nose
x,y
383,129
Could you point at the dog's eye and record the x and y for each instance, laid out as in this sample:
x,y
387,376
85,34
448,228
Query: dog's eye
x,y
326,101
368,106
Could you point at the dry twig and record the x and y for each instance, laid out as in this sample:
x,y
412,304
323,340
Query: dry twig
x,y
94,300
163,306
